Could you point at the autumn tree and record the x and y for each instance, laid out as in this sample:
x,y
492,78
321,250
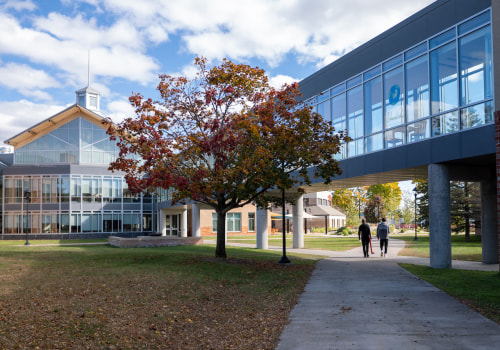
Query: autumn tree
x,y
351,201
224,138
388,197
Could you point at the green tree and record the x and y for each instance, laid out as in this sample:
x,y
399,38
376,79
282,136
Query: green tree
x,y
422,187
225,139
351,201
388,197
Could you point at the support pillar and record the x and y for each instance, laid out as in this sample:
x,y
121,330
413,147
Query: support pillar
x,y
262,228
439,216
162,229
195,220
184,223
298,222
489,238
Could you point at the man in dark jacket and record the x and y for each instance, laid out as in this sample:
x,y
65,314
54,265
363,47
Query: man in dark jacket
x,y
383,231
364,235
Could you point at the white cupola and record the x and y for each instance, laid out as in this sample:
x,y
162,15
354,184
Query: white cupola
x,y
89,98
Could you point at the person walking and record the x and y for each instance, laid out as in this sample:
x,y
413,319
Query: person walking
x,y
383,231
364,235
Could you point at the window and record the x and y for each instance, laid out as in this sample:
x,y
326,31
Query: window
x,y
324,110
417,89
233,222
444,85
214,222
476,115
476,68
355,112
251,222
373,106
418,131
445,123
338,112
393,98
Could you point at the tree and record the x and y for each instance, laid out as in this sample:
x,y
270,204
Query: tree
x,y
407,208
422,202
224,138
351,201
464,205
388,197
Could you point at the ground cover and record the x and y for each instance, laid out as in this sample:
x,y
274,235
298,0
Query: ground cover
x,y
101,297
339,243
479,290
460,249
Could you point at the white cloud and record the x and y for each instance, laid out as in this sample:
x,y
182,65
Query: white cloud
x,y
27,80
119,110
17,116
19,5
278,81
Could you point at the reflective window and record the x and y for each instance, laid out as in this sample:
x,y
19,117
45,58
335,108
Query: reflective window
x,y
418,131
233,222
417,89
442,38
393,62
375,142
444,86
354,81
339,112
338,89
474,23
393,98
372,73
445,123
355,148
324,110
251,222
476,83
416,51
394,137
476,115
373,106
355,112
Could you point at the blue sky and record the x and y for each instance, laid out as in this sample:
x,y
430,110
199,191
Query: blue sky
x,y
45,45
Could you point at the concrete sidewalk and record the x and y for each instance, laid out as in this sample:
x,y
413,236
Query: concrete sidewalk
x,y
352,302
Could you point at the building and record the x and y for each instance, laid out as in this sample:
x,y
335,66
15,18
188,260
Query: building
x,y
57,184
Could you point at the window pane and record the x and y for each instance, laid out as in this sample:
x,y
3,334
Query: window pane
x,y
355,112
476,73
393,97
394,137
337,89
374,143
444,124
477,115
373,106
444,87
324,110
372,73
417,89
354,81
394,62
473,23
418,131
339,112
441,39
355,148
251,222
416,51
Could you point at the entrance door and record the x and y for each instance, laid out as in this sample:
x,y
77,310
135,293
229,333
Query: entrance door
x,y
172,225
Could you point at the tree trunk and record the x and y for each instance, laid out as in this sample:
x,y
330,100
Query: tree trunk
x,y
220,248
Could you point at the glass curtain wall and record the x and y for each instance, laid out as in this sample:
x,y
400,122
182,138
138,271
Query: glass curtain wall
x,y
440,86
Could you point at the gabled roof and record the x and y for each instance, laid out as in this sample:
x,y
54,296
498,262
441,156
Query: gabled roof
x,y
52,123
323,210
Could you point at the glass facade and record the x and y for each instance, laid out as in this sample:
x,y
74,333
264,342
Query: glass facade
x,y
439,86
77,142
80,202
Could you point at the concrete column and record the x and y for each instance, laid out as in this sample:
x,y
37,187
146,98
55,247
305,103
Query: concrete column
x,y
298,223
439,216
489,223
162,229
184,223
195,222
262,228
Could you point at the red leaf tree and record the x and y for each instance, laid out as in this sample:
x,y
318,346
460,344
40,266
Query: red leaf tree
x,y
224,138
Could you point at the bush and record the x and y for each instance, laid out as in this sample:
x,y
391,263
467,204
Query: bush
x,y
403,230
344,231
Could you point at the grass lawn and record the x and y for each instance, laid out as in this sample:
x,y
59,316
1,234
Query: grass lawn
x,y
480,290
98,296
310,242
460,249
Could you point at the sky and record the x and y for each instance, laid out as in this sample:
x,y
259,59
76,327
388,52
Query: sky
x,y
51,48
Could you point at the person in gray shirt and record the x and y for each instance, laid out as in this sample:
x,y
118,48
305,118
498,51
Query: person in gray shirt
x,y
383,231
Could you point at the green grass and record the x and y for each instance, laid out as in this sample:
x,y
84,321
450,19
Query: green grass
x,y
480,290
310,242
460,249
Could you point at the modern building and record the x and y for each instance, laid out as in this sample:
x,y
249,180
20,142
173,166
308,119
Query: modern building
x,y
57,184
418,101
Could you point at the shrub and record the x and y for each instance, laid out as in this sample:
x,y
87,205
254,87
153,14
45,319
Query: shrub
x,y
344,231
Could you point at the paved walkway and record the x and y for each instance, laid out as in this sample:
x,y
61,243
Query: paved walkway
x,y
352,302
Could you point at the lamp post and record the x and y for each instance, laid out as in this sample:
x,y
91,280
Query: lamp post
x,y
415,192
284,259
27,195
